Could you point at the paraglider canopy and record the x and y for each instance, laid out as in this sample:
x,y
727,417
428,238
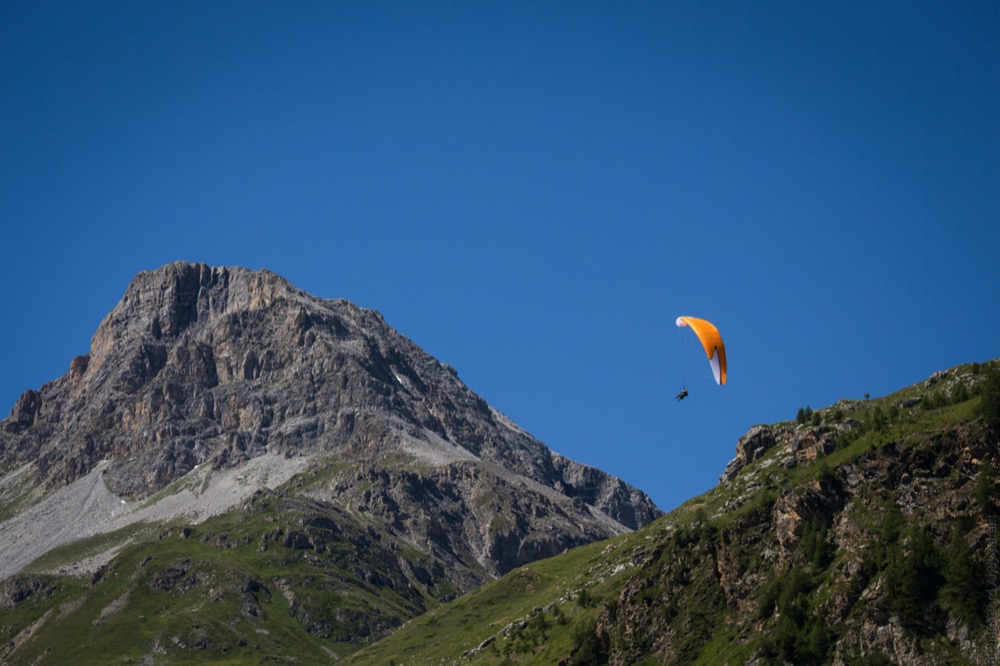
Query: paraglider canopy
x,y
710,339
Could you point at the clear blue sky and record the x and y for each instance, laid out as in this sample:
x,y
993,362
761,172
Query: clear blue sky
x,y
531,191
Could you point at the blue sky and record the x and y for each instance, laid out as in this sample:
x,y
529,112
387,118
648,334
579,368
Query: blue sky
x,y
532,192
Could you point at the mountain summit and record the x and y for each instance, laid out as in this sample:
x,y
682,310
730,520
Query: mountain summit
x,y
204,385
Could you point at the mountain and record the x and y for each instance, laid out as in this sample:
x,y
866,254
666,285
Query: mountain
x,y
864,533
237,465
242,473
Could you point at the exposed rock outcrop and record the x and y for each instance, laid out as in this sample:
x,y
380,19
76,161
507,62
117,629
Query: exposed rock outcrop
x,y
749,448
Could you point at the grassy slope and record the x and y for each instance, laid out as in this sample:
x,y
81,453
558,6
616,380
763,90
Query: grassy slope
x,y
562,590
240,588
548,612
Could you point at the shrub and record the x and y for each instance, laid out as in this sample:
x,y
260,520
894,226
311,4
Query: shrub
x,y
845,439
961,591
804,415
985,488
989,407
890,530
932,401
913,577
589,647
815,546
799,635
876,420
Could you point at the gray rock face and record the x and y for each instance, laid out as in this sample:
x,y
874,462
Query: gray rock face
x,y
221,365
749,448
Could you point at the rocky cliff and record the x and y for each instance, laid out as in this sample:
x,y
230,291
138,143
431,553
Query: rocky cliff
x,y
204,385
864,535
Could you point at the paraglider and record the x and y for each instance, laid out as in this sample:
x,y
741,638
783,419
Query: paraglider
x,y
711,340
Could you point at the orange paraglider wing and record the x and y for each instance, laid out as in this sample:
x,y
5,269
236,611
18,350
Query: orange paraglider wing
x,y
711,340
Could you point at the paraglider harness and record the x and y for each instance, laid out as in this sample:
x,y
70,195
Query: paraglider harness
x,y
682,394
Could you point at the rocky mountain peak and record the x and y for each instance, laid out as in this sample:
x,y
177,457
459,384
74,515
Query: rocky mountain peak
x,y
199,365
163,303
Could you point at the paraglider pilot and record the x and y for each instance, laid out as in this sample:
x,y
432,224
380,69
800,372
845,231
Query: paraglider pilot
x,y
683,394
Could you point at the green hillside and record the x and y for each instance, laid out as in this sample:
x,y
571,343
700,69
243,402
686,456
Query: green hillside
x,y
280,580
873,547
